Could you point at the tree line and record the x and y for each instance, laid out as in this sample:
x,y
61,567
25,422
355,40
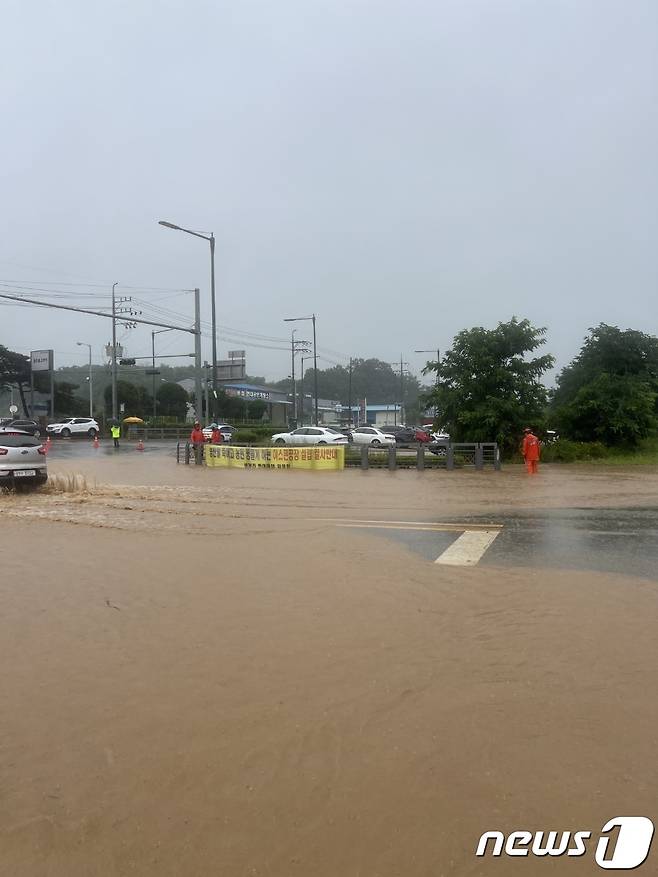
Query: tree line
x,y
488,386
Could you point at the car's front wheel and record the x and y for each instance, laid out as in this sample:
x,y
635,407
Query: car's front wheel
x,y
375,443
92,433
322,443
280,442
65,433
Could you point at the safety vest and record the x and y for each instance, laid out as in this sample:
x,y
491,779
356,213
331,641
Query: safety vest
x,y
116,432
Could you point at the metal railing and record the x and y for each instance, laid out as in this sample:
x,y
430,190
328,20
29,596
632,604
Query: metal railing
x,y
458,455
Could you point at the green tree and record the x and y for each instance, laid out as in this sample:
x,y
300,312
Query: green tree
x,y
171,401
67,404
609,392
487,387
15,370
136,399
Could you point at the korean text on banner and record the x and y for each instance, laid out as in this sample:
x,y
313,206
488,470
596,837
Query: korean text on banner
x,y
317,457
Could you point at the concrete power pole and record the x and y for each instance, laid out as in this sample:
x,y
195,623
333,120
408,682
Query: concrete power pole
x,y
197,356
115,407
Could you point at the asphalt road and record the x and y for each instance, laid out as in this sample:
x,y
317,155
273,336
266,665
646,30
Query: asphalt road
x,y
604,539
616,540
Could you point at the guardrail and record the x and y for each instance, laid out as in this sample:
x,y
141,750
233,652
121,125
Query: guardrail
x,y
458,455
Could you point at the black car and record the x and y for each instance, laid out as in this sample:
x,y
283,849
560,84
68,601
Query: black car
x,y
31,427
404,435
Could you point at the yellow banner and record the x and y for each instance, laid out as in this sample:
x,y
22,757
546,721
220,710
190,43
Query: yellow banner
x,y
316,457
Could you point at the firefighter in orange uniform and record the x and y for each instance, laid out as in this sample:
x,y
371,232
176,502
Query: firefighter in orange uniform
x,y
197,438
530,451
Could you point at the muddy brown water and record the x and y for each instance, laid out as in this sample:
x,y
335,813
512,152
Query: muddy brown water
x,y
201,674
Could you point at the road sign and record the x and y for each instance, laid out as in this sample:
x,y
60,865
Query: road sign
x,y
237,354
42,360
13,409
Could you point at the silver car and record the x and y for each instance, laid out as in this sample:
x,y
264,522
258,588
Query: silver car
x,y
22,459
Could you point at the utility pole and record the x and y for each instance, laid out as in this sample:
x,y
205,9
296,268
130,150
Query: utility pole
x,y
197,352
115,407
315,371
294,388
349,392
206,367
153,370
90,378
401,364
214,326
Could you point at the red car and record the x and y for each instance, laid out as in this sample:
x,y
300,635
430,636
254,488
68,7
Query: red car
x,y
421,434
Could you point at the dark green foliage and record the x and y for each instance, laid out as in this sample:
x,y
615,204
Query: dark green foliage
x,y
67,404
609,392
137,400
487,388
171,401
15,369
566,451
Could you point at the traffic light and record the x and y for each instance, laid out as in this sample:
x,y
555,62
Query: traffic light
x,y
126,362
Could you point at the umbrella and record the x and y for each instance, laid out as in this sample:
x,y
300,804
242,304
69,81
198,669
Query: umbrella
x,y
133,420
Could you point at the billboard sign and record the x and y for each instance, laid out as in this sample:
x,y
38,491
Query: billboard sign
x,y
41,360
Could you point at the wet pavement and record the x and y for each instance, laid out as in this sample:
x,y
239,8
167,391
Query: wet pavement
x,y
604,539
613,540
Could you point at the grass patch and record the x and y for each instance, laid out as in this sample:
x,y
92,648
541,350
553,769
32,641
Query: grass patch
x,y
566,451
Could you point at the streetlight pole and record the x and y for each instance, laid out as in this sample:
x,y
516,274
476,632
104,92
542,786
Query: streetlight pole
x,y
153,334
315,359
115,407
294,388
303,360
211,240
91,386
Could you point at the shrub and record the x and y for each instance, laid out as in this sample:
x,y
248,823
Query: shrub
x,y
246,436
567,451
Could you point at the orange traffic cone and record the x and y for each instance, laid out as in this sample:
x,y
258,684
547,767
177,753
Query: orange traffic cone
x,y
96,441
140,445
47,445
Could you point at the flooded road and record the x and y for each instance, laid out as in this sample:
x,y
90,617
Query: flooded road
x,y
203,673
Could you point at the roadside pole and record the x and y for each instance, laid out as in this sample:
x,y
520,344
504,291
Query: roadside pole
x,y
206,366
197,355
115,410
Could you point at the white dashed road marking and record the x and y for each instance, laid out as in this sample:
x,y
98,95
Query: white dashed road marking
x,y
468,549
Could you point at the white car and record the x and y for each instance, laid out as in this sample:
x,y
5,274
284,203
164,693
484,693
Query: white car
x,y
22,459
310,435
370,435
226,430
74,426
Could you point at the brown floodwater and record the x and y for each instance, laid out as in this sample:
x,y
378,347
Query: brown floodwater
x,y
202,674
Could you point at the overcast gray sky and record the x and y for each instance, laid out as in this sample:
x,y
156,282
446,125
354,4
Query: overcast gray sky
x,y
406,169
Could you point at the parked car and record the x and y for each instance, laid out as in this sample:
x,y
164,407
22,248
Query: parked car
x,y
406,435
439,444
310,435
31,427
74,426
22,459
422,435
370,435
226,430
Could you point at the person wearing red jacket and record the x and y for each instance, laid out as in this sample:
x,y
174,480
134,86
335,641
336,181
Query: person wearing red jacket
x,y
197,439
530,451
216,437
